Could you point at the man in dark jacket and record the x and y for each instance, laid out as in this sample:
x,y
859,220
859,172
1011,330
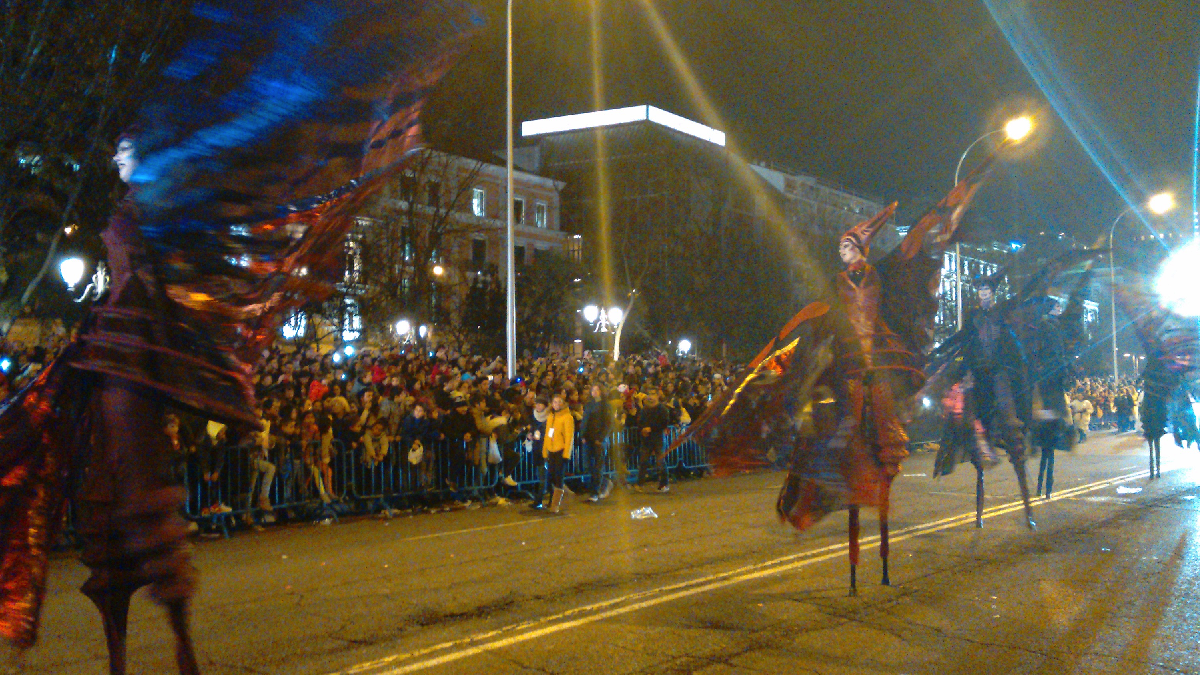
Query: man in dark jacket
x,y
459,429
652,422
595,428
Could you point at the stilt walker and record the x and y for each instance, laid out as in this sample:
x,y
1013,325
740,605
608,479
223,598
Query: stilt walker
x,y
835,395
993,402
1172,348
272,125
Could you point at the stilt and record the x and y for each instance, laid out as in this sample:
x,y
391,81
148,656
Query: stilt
x,y
1023,482
185,655
1048,456
113,604
854,550
1041,472
1158,458
884,506
979,497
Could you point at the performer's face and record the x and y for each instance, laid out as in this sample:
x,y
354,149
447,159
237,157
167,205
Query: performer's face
x,y
849,253
125,159
986,296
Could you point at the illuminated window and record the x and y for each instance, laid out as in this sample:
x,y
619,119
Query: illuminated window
x,y
351,320
519,211
540,215
479,202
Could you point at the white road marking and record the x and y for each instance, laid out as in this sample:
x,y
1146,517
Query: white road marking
x,y
451,533
632,602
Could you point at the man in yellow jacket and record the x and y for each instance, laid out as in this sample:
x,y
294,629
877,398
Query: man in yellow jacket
x,y
556,447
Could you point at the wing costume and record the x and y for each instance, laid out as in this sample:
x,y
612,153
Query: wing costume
x,y
835,395
273,123
1171,343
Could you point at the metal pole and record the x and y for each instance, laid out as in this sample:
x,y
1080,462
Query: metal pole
x,y
511,310
958,303
958,299
1112,287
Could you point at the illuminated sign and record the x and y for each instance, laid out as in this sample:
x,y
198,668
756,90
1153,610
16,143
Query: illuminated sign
x,y
608,118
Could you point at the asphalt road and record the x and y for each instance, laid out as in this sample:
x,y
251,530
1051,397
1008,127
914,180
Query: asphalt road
x,y
1107,584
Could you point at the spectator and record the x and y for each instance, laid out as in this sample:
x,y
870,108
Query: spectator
x,y
594,429
1081,412
212,460
556,447
652,422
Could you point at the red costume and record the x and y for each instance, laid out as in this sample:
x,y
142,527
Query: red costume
x,y
834,395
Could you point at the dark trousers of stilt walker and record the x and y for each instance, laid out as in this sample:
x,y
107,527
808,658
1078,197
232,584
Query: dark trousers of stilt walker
x,y
134,535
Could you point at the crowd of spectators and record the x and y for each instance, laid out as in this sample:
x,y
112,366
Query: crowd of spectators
x,y
442,404
412,398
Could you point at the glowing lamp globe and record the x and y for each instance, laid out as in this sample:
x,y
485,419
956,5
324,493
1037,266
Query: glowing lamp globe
x,y
1178,282
71,270
1161,203
615,315
591,313
685,346
423,331
1018,128
403,327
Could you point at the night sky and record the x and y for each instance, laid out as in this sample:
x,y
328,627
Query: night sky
x,y
882,97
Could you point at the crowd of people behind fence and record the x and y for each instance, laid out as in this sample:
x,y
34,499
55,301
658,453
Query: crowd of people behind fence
x,y
447,412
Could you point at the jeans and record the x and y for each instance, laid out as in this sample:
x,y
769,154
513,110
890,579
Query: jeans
x,y
650,453
597,453
261,466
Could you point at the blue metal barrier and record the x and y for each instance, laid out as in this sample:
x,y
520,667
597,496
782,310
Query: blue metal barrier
x,y
448,471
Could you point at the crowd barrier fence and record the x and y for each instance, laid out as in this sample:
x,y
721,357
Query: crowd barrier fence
x,y
299,487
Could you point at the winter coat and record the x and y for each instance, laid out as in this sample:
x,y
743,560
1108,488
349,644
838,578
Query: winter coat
x,y
1081,411
597,421
560,433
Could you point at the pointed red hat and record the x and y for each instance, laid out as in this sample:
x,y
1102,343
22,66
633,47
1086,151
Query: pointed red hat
x,y
861,234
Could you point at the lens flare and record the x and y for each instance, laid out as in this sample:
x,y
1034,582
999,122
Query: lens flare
x,y
1178,282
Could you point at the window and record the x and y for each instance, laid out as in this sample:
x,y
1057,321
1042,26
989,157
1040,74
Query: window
x,y
518,255
479,202
351,320
519,211
478,253
408,186
353,264
540,215
434,193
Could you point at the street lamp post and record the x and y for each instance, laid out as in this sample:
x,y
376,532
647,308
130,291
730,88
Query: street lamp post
x,y
511,304
602,320
1158,204
1015,130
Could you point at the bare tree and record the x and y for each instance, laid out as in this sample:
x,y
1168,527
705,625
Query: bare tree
x,y
421,220
70,73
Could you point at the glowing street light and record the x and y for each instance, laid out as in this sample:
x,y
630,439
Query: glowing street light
x,y
591,313
423,331
1015,130
403,327
71,270
1161,203
1178,281
1018,128
616,315
438,270
685,346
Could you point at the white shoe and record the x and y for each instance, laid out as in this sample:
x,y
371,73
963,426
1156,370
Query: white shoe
x,y
606,489
508,480
665,488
